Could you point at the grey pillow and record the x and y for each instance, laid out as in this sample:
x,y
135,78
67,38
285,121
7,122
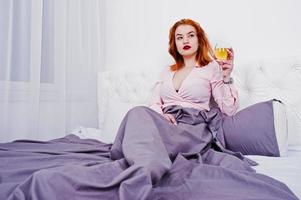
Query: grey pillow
x,y
259,129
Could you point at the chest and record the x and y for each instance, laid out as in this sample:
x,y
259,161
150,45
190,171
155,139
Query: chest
x,y
180,76
189,85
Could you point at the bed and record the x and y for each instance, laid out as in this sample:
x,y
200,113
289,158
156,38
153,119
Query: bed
x,y
78,166
256,80
285,169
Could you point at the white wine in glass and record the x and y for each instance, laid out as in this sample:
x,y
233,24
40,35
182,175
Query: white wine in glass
x,y
221,52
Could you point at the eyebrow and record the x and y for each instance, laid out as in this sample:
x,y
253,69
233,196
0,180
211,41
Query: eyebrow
x,y
187,33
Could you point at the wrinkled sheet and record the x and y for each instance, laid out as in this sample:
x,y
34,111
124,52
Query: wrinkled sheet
x,y
150,159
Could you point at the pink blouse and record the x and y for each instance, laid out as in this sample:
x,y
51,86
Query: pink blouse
x,y
196,90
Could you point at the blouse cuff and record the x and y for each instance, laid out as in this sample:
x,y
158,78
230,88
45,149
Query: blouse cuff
x,y
230,100
231,91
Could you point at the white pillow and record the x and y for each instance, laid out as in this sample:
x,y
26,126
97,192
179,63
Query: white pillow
x,y
88,133
115,112
119,91
280,123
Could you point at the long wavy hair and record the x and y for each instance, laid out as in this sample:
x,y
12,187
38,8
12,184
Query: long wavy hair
x,y
204,53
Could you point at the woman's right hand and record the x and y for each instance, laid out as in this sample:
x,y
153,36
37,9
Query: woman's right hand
x,y
170,118
227,65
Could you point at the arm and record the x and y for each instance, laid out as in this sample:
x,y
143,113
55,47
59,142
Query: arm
x,y
225,95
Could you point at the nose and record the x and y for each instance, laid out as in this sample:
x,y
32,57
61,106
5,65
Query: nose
x,y
185,40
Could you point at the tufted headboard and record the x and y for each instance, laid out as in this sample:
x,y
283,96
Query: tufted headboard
x,y
256,81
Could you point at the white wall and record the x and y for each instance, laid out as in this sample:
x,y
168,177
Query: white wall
x,y
136,31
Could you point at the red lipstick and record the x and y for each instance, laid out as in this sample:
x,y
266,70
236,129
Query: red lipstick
x,y
186,47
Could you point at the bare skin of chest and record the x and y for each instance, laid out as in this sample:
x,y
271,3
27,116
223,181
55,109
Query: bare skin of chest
x,y
180,76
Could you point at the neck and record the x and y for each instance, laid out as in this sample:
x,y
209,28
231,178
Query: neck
x,y
189,61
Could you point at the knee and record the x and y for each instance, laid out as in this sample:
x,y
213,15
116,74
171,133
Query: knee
x,y
138,109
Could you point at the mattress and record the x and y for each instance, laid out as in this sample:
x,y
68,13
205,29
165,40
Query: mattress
x,y
286,169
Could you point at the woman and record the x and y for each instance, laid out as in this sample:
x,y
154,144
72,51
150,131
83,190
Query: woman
x,y
195,76
188,161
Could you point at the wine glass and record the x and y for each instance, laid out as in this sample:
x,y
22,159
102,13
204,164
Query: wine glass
x,y
220,51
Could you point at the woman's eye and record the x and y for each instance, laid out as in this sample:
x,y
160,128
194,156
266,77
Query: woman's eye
x,y
191,35
179,38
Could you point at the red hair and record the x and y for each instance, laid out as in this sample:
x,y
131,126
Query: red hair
x,y
204,53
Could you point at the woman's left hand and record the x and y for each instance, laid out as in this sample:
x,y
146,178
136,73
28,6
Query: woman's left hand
x,y
227,65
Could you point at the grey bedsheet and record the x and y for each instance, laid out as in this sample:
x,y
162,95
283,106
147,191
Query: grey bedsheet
x,y
150,159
